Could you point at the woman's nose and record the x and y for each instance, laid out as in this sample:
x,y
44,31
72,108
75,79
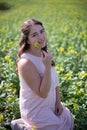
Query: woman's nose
x,y
40,37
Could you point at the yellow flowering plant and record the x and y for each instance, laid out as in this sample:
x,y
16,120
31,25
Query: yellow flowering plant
x,y
37,45
33,128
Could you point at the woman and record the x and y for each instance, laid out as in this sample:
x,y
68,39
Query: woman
x,y
40,104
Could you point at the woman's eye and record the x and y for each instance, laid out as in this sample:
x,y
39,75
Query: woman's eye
x,y
34,35
42,31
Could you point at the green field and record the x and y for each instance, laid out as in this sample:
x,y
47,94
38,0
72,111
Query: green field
x,y
65,22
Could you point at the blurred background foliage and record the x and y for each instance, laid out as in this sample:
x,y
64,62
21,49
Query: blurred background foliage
x,y
66,27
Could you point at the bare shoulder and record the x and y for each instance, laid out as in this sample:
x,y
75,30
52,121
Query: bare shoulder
x,y
30,74
25,64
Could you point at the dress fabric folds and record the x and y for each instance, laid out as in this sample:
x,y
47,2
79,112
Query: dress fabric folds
x,y
39,112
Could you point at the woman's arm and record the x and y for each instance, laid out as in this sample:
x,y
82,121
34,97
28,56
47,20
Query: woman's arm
x,y
58,105
40,85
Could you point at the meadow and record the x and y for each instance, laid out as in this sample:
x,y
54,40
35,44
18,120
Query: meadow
x,y
66,27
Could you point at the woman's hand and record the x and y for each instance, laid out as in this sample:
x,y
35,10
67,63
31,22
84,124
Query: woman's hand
x,y
58,109
46,58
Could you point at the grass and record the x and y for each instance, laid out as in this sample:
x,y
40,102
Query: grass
x,y
66,27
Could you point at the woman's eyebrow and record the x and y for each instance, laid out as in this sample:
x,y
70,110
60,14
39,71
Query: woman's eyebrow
x,y
37,32
34,33
42,29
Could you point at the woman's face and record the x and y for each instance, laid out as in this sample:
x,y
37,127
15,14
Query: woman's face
x,y
37,34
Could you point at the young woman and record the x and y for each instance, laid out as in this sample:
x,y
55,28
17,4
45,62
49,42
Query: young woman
x,y
40,104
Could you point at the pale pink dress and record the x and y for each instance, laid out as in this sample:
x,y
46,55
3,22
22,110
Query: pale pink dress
x,y
40,112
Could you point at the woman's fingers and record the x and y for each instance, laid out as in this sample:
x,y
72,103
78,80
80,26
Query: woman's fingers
x,y
46,53
46,58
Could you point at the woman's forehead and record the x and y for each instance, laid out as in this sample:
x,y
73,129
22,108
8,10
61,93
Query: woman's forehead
x,y
35,28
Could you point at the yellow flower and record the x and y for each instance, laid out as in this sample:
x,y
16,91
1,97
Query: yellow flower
x,y
10,43
11,84
65,78
1,117
33,127
11,62
36,44
76,106
85,74
78,92
79,83
10,99
71,47
7,57
68,74
57,67
69,78
82,74
61,70
73,51
61,49
14,91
